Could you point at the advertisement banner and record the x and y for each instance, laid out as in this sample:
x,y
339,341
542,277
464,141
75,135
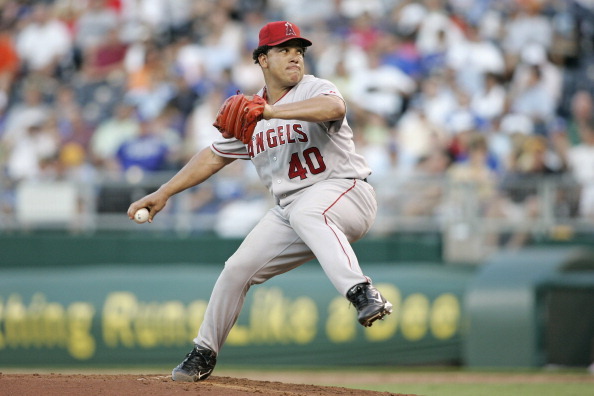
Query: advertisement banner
x,y
132,315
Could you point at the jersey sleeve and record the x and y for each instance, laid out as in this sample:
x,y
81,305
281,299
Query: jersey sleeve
x,y
230,148
325,87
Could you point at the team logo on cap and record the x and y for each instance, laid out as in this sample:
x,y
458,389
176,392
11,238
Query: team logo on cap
x,y
290,31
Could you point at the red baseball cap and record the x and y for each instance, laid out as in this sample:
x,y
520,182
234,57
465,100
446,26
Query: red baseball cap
x,y
275,33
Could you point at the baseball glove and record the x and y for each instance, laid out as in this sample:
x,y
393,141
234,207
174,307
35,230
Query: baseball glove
x,y
239,115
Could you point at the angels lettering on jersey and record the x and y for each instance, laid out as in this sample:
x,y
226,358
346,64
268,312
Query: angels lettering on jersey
x,y
300,164
274,137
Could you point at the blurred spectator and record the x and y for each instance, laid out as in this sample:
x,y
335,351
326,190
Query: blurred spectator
x,y
407,18
381,89
307,12
504,134
200,132
9,65
472,190
424,191
526,25
582,115
189,62
238,203
520,187
437,98
474,175
67,111
535,55
374,141
151,88
80,132
184,99
165,126
581,163
461,123
227,84
583,12
93,25
105,59
222,44
36,147
528,160
32,109
470,10
162,17
363,32
401,52
534,101
148,151
74,164
436,29
112,133
143,62
417,137
352,9
489,101
246,76
339,50
343,80
434,62
471,58
44,43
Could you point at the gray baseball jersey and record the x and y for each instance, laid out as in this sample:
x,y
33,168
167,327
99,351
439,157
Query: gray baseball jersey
x,y
291,155
324,204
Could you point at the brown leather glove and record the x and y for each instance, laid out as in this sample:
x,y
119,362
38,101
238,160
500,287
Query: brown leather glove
x,y
239,115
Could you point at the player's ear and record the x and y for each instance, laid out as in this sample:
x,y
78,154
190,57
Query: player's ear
x,y
263,60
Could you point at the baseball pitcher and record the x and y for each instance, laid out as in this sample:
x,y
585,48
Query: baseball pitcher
x,y
296,134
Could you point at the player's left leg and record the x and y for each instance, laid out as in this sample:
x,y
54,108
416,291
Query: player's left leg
x,y
328,217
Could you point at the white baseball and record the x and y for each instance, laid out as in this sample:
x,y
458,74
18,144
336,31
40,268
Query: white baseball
x,y
141,215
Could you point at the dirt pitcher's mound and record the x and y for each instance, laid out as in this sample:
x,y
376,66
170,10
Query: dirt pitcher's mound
x,y
160,385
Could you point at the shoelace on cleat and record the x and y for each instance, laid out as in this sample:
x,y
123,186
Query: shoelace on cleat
x,y
195,361
360,299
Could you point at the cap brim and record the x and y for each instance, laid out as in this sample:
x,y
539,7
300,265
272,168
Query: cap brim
x,y
305,42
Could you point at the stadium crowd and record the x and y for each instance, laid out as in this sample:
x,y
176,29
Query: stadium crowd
x,y
488,92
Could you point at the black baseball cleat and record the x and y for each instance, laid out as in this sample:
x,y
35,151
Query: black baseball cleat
x,y
370,304
197,366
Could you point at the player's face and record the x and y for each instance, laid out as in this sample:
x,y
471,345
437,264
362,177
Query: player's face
x,y
285,63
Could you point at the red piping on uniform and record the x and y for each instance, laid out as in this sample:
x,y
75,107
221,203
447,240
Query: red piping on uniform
x,y
326,220
224,153
265,95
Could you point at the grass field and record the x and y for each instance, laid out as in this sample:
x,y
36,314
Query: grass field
x,y
440,382
478,389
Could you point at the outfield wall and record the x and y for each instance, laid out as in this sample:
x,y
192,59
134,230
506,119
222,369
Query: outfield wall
x,y
53,249
108,300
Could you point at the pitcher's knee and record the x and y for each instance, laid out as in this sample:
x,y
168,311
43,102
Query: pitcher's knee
x,y
234,275
243,273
